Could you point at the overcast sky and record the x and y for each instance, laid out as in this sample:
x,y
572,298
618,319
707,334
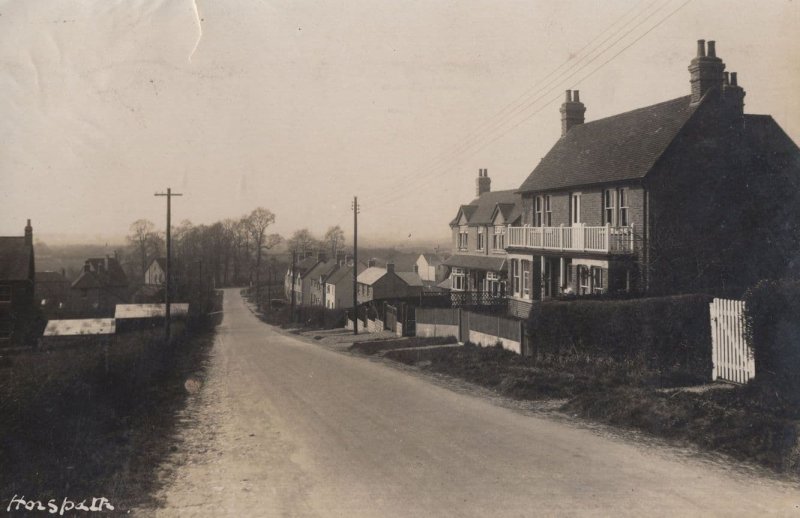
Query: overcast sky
x,y
297,106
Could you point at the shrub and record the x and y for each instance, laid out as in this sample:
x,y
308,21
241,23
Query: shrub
x,y
773,331
668,334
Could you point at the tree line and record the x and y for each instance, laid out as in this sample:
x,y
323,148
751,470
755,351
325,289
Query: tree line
x,y
231,252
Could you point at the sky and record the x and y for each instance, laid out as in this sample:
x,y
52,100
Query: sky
x,y
298,106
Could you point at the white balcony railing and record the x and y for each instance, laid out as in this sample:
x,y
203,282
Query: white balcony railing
x,y
605,240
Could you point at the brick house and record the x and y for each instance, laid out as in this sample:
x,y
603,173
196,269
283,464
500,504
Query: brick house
x,y
479,230
100,287
17,285
684,195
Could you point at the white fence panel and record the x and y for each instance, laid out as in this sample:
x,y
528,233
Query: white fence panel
x,y
732,358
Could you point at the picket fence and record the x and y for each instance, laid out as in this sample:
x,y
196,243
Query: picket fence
x,y
733,359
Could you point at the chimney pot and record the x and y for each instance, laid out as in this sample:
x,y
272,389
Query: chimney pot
x,y
29,234
734,79
576,96
712,50
701,48
483,182
726,78
568,98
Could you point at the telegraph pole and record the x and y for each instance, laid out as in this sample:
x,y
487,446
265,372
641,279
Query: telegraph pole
x,y
294,275
356,210
169,194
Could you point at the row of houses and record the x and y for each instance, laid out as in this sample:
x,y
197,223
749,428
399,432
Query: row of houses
x,y
319,281
684,195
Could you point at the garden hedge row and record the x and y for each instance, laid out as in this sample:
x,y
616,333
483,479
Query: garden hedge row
x,y
665,333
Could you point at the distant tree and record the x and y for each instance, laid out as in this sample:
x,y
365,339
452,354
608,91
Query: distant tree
x,y
303,242
257,223
334,237
141,238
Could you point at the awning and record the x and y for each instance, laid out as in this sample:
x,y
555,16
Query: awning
x,y
477,262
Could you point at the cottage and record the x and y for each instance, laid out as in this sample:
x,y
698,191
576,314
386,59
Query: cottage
x,y
339,287
17,284
156,272
52,291
317,277
479,235
687,194
376,283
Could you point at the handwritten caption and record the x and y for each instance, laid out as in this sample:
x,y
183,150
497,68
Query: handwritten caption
x,y
52,506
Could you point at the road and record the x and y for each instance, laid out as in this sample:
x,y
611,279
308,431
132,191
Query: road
x,y
288,428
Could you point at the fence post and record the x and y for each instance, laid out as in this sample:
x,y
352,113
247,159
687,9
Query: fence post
x,y
460,338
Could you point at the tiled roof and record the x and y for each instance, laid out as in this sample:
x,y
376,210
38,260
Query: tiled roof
x,y
410,278
162,262
303,267
15,259
322,269
617,148
480,210
371,275
343,273
477,262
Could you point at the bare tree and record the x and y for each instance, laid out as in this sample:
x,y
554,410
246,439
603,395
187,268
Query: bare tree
x,y
142,232
257,223
335,238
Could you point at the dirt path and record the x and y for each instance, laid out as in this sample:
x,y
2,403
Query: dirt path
x,y
287,428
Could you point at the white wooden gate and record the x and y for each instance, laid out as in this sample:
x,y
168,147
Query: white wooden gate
x,y
733,359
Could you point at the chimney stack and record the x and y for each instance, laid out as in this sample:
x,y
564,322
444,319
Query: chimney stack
x,y
483,183
706,70
29,234
371,263
572,111
390,267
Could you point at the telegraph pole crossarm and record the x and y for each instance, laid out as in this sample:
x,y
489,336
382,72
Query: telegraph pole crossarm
x,y
167,298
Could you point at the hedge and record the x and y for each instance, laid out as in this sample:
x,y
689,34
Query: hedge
x,y
772,321
669,334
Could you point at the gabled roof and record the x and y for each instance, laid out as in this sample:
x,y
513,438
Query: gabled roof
x,y
410,278
432,259
371,275
480,210
511,212
161,261
16,259
613,149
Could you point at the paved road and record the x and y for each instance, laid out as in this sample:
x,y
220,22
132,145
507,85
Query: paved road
x,y
288,428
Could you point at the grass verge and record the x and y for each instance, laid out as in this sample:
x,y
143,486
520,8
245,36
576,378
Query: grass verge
x,y
377,346
79,423
751,423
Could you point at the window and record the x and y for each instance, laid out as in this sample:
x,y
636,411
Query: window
x,y
515,275
597,279
463,238
609,196
493,284
5,293
526,279
480,238
538,211
575,208
548,213
499,238
623,207
458,277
